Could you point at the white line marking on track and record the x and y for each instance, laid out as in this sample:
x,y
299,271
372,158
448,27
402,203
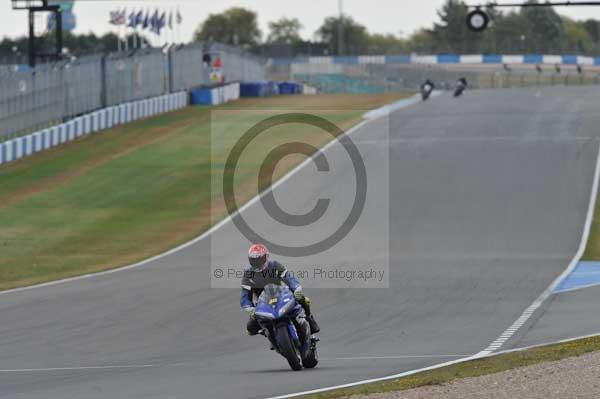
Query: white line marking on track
x,y
436,366
390,377
580,287
387,109
88,368
390,357
403,103
509,333
562,341
82,368
145,366
442,139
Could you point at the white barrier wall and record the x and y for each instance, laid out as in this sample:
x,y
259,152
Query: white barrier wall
x,y
319,63
90,123
309,89
225,93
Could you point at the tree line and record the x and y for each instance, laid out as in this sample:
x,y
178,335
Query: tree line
x,y
525,30
15,50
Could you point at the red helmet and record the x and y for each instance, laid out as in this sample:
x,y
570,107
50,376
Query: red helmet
x,y
258,255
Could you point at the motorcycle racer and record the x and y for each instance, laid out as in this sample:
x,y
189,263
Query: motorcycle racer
x,y
261,272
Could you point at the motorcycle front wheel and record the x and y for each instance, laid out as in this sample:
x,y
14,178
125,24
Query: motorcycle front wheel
x,y
287,348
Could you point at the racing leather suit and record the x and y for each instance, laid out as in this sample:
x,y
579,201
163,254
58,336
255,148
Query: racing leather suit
x,y
253,283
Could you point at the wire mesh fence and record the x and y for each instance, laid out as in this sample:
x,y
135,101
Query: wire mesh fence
x,y
187,67
28,99
79,85
238,65
135,76
379,78
31,99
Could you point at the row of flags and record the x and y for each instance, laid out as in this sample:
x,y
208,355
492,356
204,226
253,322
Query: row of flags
x,y
154,21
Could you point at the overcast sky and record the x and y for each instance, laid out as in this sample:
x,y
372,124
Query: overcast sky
x,y
382,16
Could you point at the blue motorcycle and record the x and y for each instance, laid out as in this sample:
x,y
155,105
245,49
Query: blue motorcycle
x,y
282,321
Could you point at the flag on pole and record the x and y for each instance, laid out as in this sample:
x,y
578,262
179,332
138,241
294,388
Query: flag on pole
x,y
139,18
154,22
171,20
179,17
146,22
162,21
120,17
115,17
132,19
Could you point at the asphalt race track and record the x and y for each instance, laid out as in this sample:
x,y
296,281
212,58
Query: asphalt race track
x,y
487,195
569,314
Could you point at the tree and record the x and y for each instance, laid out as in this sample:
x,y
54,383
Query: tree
x,y
509,33
544,29
538,30
386,44
355,36
452,34
76,44
577,38
284,31
592,27
489,40
236,26
422,41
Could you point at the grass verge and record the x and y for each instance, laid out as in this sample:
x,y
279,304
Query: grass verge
x,y
472,368
128,193
592,249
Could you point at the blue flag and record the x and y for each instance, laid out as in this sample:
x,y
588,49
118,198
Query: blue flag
x,y
132,18
139,18
161,22
146,20
154,22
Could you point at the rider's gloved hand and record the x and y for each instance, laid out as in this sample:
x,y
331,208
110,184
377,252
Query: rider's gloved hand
x,y
250,310
298,294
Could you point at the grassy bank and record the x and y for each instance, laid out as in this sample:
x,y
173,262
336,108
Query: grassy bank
x,y
125,194
473,368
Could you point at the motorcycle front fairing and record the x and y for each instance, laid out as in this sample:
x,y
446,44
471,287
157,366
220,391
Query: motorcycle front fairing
x,y
277,304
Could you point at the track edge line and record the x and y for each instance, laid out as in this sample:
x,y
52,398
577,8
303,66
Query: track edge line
x,y
531,309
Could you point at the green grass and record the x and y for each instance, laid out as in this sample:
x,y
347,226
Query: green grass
x,y
473,368
592,249
128,193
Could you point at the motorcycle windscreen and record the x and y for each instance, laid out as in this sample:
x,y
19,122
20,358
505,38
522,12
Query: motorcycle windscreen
x,y
275,301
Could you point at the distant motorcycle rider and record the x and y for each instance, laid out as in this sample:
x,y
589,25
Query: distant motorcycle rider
x,y
261,272
426,89
461,85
